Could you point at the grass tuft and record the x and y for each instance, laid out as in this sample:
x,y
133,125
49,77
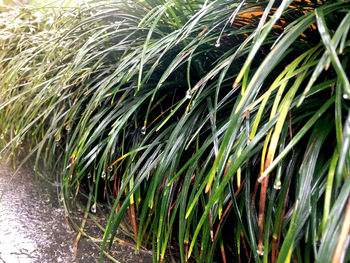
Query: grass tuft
x,y
211,130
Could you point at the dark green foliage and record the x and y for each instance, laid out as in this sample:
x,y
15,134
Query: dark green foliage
x,y
210,125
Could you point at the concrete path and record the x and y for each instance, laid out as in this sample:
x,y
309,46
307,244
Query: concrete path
x,y
35,230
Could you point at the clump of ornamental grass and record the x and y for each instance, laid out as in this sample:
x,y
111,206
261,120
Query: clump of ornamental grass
x,y
218,128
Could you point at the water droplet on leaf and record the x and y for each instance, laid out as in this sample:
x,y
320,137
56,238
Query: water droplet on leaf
x,y
93,208
143,130
277,185
345,96
188,94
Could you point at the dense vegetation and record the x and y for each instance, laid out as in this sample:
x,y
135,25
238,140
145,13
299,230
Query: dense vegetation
x,y
212,130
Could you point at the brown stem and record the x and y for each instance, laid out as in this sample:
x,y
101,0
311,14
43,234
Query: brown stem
x,y
245,246
222,248
115,187
262,204
345,229
133,219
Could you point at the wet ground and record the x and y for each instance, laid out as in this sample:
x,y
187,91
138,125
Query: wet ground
x,y
34,229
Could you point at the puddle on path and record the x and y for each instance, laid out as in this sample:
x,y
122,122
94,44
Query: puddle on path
x,y
34,230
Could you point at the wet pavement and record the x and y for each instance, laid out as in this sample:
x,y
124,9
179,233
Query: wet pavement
x,y
34,229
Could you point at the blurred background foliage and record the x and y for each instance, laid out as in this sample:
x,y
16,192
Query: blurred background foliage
x,y
209,130
39,2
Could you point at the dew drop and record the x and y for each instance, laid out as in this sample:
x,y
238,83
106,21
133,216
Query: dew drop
x,y
260,252
103,175
93,208
67,127
217,44
143,130
277,185
89,175
188,94
2,137
345,96
110,168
